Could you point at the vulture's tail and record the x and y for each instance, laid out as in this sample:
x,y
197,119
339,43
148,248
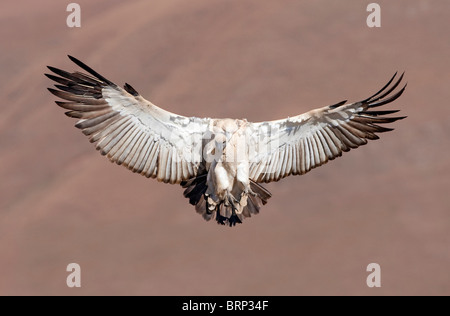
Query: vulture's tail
x,y
195,190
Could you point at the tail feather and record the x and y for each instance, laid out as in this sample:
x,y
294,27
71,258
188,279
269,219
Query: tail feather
x,y
224,213
262,192
230,220
195,189
202,209
251,207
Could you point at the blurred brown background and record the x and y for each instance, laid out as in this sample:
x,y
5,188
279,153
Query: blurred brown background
x,y
387,202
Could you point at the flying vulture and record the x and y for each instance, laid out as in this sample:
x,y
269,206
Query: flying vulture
x,y
219,162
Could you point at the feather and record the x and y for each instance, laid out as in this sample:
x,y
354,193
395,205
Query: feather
x,y
312,161
88,115
280,164
381,90
95,121
130,90
151,167
324,151
91,71
107,143
103,131
387,92
73,78
116,152
175,174
288,161
274,166
168,166
336,143
295,160
354,129
132,158
100,130
328,144
342,134
162,163
337,104
388,100
306,155
128,146
184,169
77,98
81,107
144,157
262,192
320,150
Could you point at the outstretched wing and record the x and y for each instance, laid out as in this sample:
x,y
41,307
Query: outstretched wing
x,y
128,129
296,145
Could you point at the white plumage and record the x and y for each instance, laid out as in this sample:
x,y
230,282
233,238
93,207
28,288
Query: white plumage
x,y
219,162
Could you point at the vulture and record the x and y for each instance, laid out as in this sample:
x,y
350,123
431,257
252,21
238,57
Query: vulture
x,y
220,163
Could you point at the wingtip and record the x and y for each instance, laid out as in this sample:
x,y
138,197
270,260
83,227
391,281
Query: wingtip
x,y
393,77
60,103
82,65
337,104
400,92
371,98
75,60
128,88
52,69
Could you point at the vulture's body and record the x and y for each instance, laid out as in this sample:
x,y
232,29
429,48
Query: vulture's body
x,y
219,162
